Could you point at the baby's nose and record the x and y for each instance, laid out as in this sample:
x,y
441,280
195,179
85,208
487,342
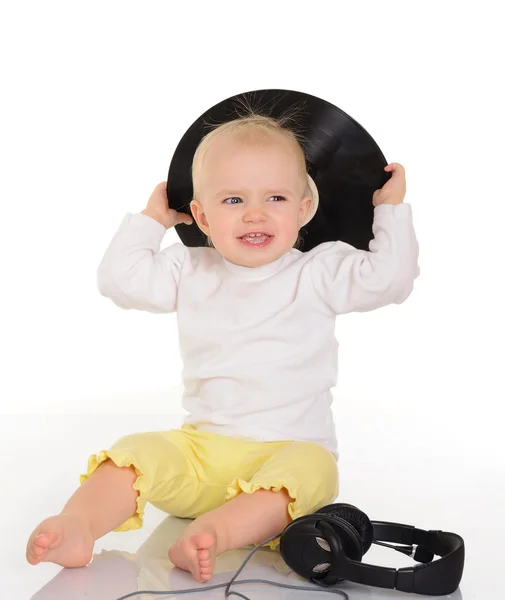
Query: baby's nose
x,y
254,214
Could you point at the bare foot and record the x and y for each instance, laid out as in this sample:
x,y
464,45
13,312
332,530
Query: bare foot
x,y
196,554
63,539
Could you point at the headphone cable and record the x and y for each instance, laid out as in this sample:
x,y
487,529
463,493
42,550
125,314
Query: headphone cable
x,y
408,550
229,593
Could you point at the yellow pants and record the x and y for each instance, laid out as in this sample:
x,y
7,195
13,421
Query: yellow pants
x,y
187,472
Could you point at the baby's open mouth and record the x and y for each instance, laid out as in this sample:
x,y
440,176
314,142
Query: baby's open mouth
x,y
256,239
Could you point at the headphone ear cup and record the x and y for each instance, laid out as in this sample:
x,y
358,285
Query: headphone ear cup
x,y
356,518
349,537
304,547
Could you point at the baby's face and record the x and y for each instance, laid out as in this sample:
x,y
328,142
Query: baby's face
x,y
250,197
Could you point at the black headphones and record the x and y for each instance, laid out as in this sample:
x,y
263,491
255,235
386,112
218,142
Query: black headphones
x,y
327,546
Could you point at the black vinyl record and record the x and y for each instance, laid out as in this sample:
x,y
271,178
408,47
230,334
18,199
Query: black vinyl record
x,y
342,158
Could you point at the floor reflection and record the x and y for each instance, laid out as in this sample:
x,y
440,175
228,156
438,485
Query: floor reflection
x,y
113,574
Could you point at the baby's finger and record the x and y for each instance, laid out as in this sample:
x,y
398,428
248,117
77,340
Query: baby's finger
x,y
395,167
184,218
161,186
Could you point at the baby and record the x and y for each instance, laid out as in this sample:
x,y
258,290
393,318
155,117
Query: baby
x,y
256,322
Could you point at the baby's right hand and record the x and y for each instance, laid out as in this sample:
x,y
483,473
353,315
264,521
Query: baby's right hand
x,y
158,208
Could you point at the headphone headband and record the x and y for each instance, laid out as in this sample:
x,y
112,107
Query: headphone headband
x,y
442,576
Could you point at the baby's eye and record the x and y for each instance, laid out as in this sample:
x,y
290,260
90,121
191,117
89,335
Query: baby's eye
x,y
233,198
280,198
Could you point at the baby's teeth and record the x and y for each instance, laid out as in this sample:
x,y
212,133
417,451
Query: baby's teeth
x,y
253,238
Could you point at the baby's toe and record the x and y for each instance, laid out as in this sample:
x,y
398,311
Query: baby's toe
x,y
38,547
204,555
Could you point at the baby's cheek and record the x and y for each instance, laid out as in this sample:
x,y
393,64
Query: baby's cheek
x,y
294,229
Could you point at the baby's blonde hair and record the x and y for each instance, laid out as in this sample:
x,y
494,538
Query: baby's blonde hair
x,y
252,124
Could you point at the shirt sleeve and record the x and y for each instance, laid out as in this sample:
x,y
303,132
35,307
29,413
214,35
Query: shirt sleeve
x,y
350,280
133,272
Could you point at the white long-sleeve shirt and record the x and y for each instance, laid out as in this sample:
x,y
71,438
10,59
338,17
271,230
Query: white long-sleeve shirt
x,y
258,344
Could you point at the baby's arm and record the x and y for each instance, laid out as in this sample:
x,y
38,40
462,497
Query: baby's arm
x,y
133,272
351,280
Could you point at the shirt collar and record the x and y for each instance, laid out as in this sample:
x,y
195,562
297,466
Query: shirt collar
x,y
261,272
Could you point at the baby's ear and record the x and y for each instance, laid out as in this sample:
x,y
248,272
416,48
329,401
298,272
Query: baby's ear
x,y
199,216
193,206
305,206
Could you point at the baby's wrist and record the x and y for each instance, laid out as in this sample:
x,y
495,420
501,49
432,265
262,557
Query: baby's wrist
x,y
391,201
157,217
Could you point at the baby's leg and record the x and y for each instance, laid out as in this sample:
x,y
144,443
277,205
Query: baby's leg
x,y
103,502
306,476
247,519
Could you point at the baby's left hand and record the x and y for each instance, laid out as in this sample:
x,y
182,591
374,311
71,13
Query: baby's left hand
x,y
393,191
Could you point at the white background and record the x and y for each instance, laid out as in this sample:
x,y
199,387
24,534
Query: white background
x,y
95,97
